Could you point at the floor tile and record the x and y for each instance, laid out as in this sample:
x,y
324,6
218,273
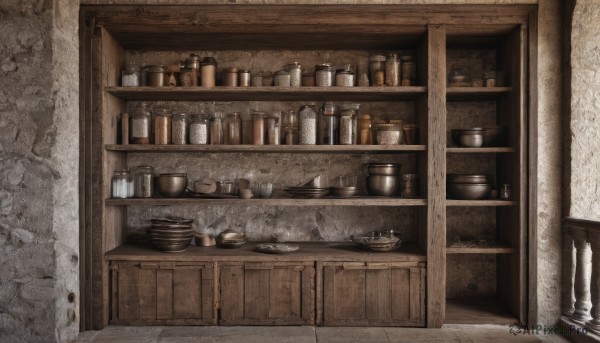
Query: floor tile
x,y
351,335
402,335
128,334
245,334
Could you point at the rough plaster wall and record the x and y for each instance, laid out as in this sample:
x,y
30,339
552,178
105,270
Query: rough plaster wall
x,y
585,109
38,171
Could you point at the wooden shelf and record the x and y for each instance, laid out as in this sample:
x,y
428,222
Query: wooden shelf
x,y
326,251
476,311
364,149
268,93
484,202
475,93
480,250
485,150
358,201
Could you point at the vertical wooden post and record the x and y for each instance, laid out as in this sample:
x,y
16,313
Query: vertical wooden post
x,y
594,323
582,277
568,272
436,174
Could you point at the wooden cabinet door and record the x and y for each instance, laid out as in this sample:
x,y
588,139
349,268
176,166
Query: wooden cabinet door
x,y
277,293
379,294
162,293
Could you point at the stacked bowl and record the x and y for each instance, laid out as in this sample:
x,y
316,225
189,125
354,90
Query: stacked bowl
x,y
469,186
171,234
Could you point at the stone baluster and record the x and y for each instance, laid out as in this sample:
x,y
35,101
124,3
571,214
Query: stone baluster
x,y
582,277
568,271
594,323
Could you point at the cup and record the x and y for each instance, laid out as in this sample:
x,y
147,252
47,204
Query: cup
x,y
265,190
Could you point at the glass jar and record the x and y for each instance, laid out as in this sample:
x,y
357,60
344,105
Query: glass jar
x,y
295,70
258,128
364,124
490,78
347,127
345,78
188,77
257,79
282,79
307,122
244,78
143,183
408,64
505,192
131,74
233,129
392,70
291,135
323,75
230,77
155,75
208,72
377,70
288,120
409,185
328,125
199,129
459,76
216,129
272,130
140,125
162,126
121,184
179,128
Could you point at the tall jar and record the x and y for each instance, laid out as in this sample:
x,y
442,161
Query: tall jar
x,y
162,126
323,75
272,130
365,134
258,128
121,184
295,70
377,70
199,129
216,129
230,78
345,78
208,72
392,70
409,70
233,129
347,127
328,125
140,125
288,120
179,128
307,122
143,183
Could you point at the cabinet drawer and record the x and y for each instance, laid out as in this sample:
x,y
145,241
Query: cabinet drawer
x,y
277,293
379,294
146,293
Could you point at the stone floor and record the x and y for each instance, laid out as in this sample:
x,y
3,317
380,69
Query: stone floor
x,y
309,334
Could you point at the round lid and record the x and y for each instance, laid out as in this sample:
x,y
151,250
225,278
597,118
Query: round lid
x,y
209,61
393,55
294,65
244,71
232,70
174,174
158,68
234,114
121,172
282,73
323,66
377,58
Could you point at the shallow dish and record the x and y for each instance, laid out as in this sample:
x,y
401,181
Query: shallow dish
x,y
172,221
469,191
276,248
343,192
231,244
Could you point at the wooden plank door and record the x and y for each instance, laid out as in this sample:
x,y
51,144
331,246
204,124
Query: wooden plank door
x,y
266,293
381,294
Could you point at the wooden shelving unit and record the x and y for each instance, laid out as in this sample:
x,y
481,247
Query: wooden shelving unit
x,y
327,201
484,150
348,149
476,93
485,202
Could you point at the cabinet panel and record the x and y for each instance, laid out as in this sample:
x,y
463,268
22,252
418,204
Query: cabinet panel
x,y
266,293
162,293
373,294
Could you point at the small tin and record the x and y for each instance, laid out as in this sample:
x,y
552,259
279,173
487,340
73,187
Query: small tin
x,y
244,78
230,79
156,75
282,79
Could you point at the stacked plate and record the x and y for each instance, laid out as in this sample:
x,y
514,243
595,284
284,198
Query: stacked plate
x,y
380,244
307,191
231,239
171,234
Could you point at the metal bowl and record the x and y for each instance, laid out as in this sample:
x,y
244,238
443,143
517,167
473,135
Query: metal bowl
x,y
382,185
384,168
172,185
473,137
469,178
469,191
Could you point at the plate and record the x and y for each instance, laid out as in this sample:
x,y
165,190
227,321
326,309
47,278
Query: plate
x,y
276,248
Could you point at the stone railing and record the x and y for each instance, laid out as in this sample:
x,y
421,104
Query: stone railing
x,y
581,273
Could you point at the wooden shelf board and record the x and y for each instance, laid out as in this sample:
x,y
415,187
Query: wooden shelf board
x,y
476,311
329,251
221,93
484,150
475,93
480,250
358,201
267,148
484,202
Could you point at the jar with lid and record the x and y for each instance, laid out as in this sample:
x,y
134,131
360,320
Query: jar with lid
x,y
257,79
199,129
188,75
505,192
246,129
291,135
289,119
230,77
272,130
365,137
392,70
307,122
244,78
345,78
156,75
216,129
179,128
282,79
131,74
233,129
459,76
209,72
143,183
121,184
162,126
295,70
258,128
328,124
323,75
408,65
140,125
377,70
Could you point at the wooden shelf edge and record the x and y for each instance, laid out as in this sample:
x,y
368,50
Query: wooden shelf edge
x,y
358,201
482,250
484,202
475,93
266,148
485,150
477,311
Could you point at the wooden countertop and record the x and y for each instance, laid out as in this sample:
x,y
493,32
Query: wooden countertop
x,y
321,251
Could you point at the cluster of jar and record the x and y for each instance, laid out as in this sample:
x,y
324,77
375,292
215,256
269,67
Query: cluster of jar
x,y
137,183
394,70
187,73
460,76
